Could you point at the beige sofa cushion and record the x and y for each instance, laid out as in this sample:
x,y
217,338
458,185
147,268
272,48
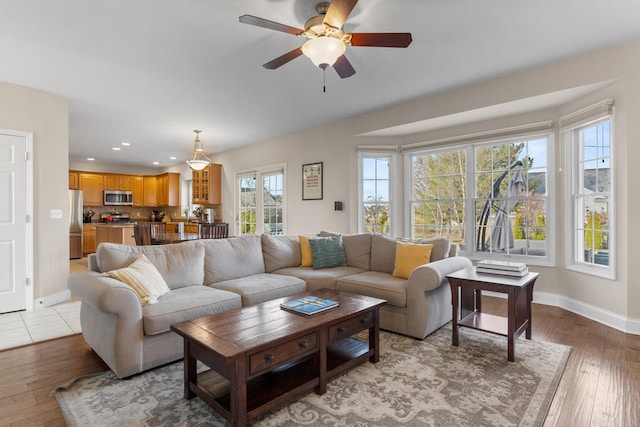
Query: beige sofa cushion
x,y
376,284
383,253
262,287
180,305
318,279
357,248
180,264
232,258
441,246
280,252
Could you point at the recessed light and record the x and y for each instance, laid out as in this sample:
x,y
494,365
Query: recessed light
x,y
91,159
116,148
125,143
172,158
156,163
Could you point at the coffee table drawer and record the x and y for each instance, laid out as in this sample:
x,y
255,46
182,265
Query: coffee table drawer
x,y
283,353
349,327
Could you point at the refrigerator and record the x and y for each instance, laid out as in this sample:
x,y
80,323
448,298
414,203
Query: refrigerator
x,y
75,224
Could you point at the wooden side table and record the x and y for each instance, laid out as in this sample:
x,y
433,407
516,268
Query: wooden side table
x,y
466,294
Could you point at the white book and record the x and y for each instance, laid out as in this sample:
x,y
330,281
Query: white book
x,y
514,273
502,265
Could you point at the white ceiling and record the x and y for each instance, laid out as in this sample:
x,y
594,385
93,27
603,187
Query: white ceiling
x,y
149,71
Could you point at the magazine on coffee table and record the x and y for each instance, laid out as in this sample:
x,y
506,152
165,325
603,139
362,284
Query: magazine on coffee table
x,y
309,305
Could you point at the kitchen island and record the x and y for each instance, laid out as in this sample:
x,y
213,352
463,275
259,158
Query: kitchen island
x,y
121,233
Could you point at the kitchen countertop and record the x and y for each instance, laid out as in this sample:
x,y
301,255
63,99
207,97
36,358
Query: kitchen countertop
x,y
114,224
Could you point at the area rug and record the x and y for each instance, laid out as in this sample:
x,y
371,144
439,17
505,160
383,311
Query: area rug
x,y
415,383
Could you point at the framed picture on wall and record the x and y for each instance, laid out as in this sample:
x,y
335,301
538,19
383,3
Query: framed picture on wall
x,y
312,181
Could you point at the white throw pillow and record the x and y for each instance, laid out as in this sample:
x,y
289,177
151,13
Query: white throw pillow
x,y
144,278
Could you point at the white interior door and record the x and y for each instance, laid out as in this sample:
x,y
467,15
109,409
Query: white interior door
x,y
13,222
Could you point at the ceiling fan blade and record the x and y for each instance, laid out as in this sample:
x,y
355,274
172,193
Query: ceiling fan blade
x,y
338,12
343,67
281,60
381,39
265,23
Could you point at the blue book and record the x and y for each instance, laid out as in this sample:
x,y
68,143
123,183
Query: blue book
x,y
309,305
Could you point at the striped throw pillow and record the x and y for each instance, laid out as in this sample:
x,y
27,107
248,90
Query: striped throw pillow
x,y
144,279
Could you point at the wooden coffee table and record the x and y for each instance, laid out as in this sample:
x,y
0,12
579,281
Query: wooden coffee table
x,y
469,285
262,356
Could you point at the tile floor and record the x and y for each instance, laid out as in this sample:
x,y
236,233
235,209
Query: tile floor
x,y
26,327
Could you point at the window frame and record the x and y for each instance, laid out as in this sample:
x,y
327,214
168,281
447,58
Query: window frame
x,y
259,174
469,250
393,208
572,143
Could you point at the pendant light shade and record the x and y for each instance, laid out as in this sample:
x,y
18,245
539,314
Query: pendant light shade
x,y
199,161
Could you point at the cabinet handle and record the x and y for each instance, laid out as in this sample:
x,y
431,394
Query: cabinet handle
x,y
303,344
268,358
341,329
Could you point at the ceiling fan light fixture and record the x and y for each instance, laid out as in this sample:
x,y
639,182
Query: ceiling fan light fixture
x,y
324,50
199,161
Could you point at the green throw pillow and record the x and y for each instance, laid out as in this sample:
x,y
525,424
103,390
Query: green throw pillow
x,y
327,252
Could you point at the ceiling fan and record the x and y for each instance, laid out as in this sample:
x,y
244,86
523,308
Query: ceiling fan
x,y
326,42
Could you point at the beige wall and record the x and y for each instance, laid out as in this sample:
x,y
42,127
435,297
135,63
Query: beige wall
x,y
46,116
616,74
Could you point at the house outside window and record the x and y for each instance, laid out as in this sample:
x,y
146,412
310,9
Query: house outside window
x,y
591,201
375,210
501,186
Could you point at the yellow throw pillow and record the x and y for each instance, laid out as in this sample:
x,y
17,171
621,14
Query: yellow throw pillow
x,y
305,251
144,278
409,256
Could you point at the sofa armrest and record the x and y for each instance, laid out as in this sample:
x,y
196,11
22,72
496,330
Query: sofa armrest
x,y
105,294
429,276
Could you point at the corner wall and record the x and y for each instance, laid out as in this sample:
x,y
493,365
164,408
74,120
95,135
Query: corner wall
x,y
47,117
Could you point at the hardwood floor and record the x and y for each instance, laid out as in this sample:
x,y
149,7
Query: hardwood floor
x,y
600,385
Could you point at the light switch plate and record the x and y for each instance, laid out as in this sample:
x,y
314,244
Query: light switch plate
x,y
55,213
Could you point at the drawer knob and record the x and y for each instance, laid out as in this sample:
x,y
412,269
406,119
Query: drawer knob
x,y
303,344
269,358
341,329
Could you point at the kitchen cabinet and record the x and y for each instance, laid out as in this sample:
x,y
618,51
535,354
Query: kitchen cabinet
x,y
150,191
168,187
138,191
126,182
111,182
91,186
74,183
89,244
206,185
191,228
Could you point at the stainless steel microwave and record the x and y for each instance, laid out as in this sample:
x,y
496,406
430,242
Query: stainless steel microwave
x,y
118,198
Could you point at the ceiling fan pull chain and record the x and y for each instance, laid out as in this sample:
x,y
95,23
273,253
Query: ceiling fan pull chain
x,y
324,80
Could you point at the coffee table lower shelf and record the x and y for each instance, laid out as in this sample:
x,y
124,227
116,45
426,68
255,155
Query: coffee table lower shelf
x,y
275,388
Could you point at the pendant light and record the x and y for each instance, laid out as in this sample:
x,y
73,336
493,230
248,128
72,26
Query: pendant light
x,y
199,160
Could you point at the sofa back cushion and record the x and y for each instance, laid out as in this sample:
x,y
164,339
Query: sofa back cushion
x,y
441,246
383,253
357,248
280,252
232,258
180,264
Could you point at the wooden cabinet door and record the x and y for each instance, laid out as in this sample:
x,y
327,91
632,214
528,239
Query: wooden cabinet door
x,y
126,182
138,191
150,191
215,185
88,239
111,182
74,183
91,186
162,183
195,187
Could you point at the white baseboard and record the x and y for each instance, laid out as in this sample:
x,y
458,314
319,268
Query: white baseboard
x,y
49,300
597,314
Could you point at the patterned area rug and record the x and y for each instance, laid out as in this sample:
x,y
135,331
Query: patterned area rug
x,y
415,383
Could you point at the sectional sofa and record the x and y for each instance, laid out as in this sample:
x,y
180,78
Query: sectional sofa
x,y
211,276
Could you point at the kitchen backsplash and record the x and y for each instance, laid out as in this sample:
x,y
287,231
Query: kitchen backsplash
x,y
144,214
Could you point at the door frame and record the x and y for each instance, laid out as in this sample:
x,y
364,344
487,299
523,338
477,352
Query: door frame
x,y
28,198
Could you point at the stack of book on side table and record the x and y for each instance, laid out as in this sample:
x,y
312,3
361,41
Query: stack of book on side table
x,y
504,268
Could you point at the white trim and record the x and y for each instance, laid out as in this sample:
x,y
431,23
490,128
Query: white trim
x,y
49,300
583,117
494,135
388,149
628,325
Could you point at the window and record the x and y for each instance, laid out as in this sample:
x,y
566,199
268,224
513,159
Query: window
x,y
501,186
375,197
267,205
591,248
